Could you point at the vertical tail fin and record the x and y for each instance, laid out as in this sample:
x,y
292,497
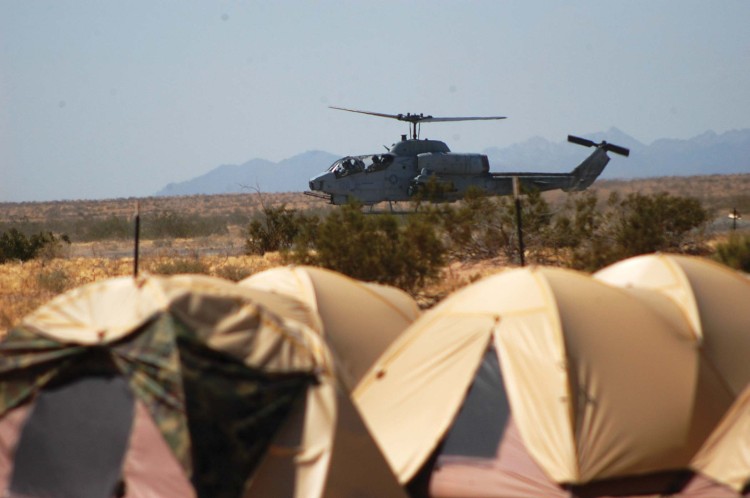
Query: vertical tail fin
x,y
591,167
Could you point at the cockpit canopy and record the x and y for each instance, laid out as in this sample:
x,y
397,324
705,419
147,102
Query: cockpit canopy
x,y
357,164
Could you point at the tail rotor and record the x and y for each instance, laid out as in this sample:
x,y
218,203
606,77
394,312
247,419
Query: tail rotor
x,y
603,145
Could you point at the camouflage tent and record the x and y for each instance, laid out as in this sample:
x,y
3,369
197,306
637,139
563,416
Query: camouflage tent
x,y
358,320
548,382
180,386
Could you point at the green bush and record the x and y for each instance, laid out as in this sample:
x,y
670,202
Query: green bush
x,y
276,229
735,252
110,228
637,224
55,280
374,248
478,227
14,245
482,227
582,234
169,224
180,265
657,222
233,272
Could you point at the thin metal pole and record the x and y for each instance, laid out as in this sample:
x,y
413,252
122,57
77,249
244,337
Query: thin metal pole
x,y
519,227
137,237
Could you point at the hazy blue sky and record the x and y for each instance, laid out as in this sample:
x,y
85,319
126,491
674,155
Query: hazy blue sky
x,y
102,99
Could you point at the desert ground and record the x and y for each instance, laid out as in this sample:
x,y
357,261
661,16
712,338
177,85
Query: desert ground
x,y
26,285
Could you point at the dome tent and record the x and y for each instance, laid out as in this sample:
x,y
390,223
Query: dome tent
x,y
209,393
358,320
545,382
714,298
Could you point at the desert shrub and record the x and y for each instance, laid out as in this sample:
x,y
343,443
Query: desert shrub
x,y
581,229
176,266
54,280
482,227
630,226
14,245
735,252
169,224
376,248
233,272
657,222
476,228
276,229
109,228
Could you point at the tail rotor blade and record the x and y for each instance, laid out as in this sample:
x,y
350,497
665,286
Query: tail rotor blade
x,y
581,141
604,145
616,149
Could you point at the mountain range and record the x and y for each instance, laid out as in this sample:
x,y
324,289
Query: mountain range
x,y
705,154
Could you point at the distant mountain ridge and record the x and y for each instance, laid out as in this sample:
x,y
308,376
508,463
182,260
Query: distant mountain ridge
x,y
704,154
289,175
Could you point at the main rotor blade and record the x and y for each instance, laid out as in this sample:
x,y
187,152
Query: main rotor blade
x,y
430,119
392,116
416,118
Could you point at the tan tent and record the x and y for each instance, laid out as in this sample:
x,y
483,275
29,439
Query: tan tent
x,y
715,299
358,320
547,382
177,386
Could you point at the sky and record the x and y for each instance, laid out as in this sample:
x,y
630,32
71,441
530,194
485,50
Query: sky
x,y
106,99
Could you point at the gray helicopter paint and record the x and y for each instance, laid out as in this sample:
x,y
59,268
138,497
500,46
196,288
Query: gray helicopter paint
x,y
412,165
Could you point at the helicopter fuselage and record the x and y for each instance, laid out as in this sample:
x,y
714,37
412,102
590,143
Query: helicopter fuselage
x,y
414,166
374,178
427,169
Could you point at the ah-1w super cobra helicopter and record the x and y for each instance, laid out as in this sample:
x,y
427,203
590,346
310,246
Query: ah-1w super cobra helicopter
x,y
412,165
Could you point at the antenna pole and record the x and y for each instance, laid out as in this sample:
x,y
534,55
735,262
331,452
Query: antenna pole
x,y
137,237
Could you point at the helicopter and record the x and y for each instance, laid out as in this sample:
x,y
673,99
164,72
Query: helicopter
x,y
415,167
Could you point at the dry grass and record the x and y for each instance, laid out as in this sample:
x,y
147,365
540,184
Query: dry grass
x,y
26,286
204,205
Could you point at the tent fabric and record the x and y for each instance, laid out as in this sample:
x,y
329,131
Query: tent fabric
x,y
486,406
150,462
604,382
512,472
150,466
410,397
54,458
712,296
215,372
725,456
358,320
715,298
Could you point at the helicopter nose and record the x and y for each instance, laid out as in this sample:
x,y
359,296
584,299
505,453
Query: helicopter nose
x,y
317,182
